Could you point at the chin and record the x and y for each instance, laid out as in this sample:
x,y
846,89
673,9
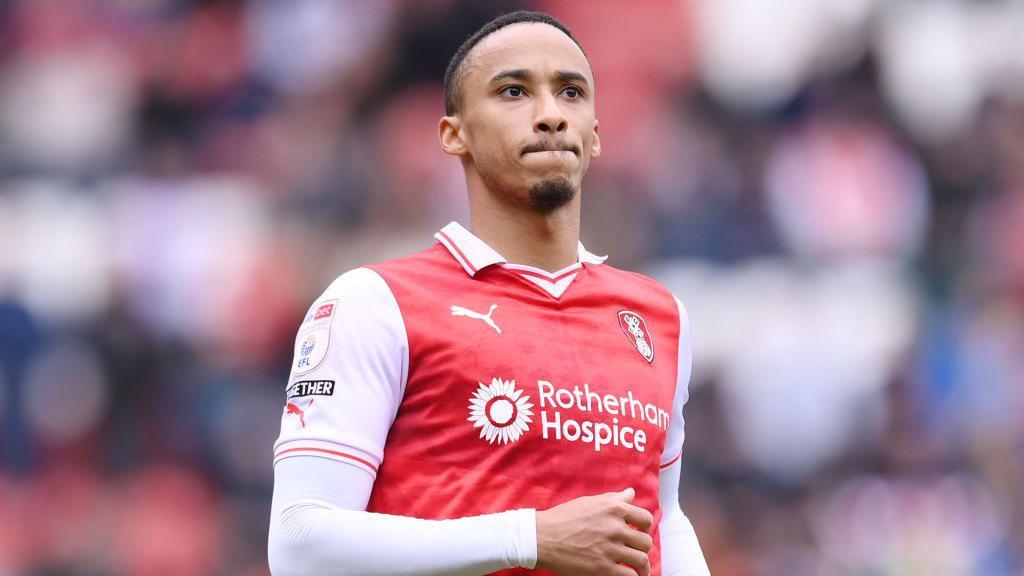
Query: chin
x,y
551,193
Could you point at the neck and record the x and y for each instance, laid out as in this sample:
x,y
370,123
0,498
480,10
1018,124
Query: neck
x,y
522,235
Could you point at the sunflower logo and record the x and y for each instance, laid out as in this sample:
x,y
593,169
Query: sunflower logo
x,y
500,411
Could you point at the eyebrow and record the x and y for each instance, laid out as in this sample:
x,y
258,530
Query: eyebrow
x,y
516,74
567,76
523,75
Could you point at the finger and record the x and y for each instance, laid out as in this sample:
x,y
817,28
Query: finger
x,y
635,559
626,495
637,540
638,517
621,570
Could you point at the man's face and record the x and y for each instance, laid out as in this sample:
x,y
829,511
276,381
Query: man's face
x,y
527,118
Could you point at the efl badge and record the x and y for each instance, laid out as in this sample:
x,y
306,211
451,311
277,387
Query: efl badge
x,y
314,337
635,329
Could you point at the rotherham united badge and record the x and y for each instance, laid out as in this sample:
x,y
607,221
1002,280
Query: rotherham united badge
x,y
635,329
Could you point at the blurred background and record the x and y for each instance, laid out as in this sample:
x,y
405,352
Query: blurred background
x,y
835,188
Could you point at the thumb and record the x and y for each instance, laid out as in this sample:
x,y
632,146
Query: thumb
x,y
627,495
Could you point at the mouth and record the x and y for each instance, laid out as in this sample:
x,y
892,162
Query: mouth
x,y
551,149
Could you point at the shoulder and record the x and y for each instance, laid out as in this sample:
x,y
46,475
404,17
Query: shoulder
x,y
361,283
359,294
640,284
651,294
427,261
371,280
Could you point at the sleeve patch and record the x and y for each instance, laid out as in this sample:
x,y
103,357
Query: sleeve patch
x,y
302,388
314,337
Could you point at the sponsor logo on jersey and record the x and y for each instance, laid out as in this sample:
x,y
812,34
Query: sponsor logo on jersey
x,y
310,388
500,411
293,408
319,315
577,414
565,415
486,318
635,329
324,311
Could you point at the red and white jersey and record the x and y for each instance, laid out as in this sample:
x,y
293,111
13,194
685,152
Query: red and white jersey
x,y
467,385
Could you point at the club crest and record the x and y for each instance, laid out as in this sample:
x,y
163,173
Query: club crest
x,y
635,329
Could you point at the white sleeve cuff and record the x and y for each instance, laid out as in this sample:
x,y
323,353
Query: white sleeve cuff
x,y
521,538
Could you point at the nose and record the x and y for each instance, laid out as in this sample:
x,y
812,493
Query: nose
x,y
549,117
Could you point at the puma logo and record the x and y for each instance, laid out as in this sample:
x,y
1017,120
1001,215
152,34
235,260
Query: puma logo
x,y
460,311
300,412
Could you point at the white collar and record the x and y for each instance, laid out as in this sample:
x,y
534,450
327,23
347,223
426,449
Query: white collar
x,y
474,254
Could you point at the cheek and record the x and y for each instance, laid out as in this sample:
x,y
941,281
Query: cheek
x,y
497,148
488,156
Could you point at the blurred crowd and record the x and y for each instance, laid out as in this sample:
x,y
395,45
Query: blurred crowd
x,y
834,188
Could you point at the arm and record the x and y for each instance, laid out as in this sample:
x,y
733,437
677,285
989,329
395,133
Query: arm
x,y
680,551
319,526
348,377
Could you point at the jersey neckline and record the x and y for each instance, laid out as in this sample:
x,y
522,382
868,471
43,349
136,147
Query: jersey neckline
x,y
473,254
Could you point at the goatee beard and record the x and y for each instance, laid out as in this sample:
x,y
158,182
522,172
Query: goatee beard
x,y
550,195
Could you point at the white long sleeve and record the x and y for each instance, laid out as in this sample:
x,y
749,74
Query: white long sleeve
x,y
680,551
319,526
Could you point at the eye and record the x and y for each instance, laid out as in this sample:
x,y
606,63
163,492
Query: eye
x,y
513,91
572,92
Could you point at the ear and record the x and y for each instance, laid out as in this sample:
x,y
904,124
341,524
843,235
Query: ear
x,y
595,148
449,132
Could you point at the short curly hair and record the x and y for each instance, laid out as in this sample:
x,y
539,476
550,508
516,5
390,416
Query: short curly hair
x,y
454,73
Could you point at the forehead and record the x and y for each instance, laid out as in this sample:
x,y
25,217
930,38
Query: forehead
x,y
532,46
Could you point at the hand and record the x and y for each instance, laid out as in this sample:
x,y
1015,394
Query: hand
x,y
592,535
